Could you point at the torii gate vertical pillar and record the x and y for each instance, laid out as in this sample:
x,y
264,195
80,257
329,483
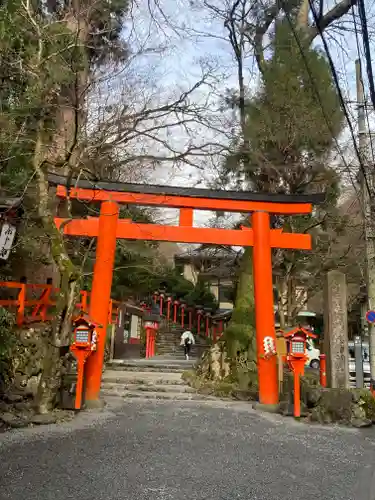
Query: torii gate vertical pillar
x,y
264,311
101,295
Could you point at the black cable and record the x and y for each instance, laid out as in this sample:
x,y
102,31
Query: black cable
x,y
342,102
360,63
366,46
341,98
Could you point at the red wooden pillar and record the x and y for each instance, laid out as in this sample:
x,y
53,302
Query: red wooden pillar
x,y
207,324
264,307
169,302
190,318
323,370
175,306
199,316
161,304
148,342
101,294
183,315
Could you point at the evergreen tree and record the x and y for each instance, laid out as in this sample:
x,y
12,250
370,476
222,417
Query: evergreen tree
x,y
286,148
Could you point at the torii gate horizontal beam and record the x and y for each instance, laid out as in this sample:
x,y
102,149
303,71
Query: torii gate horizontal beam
x,y
185,197
126,229
179,201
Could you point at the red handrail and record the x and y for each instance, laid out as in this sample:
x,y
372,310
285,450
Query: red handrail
x,y
39,306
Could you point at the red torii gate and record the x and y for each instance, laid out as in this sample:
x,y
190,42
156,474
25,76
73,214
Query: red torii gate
x,y
107,228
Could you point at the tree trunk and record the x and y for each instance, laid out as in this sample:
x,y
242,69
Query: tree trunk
x,y
61,326
63,150
240,334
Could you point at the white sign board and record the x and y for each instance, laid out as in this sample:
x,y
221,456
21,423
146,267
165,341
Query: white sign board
x,y
8,232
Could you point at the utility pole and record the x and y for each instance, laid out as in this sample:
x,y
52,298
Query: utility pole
x,y
367,182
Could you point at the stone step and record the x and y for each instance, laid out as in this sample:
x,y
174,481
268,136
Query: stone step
x,y
157,364
151,369
164,388
142,377
159,395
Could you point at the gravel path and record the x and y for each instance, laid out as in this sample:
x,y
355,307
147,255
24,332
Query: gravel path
x,y
161,450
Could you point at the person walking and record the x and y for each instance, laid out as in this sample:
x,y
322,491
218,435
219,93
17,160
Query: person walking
x,y
187,340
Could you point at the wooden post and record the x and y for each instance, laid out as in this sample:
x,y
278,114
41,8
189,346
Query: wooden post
x,y
264,312
297,394
112,345
21,305
101,295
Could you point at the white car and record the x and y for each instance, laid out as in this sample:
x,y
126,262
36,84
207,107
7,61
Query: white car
x,y
313,360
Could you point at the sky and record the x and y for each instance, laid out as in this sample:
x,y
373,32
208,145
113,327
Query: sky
x,y
174,46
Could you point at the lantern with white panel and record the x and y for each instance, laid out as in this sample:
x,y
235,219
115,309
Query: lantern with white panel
x,y
84,343
296,358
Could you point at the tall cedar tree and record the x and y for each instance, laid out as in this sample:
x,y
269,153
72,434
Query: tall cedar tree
x,y
286,148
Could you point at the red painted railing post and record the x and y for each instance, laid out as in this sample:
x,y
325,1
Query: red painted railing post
x,y
153,343
190,319
161,304
169,302
21,305
175,305
147,342
183,315
199,316
323,370
46,295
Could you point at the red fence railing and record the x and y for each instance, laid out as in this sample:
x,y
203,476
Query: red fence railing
x,y
34,302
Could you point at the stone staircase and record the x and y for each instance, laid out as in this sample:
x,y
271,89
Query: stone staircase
x,y
168,343
157,378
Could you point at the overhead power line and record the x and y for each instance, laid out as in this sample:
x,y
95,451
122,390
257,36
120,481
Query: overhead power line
x,y
367,51
359,59
341,98
319,99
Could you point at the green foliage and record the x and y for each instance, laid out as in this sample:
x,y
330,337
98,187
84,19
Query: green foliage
x,y
106,22
201,295
286,147
287,138
7,323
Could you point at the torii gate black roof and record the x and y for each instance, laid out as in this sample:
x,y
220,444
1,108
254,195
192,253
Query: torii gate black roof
x,y
314,198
